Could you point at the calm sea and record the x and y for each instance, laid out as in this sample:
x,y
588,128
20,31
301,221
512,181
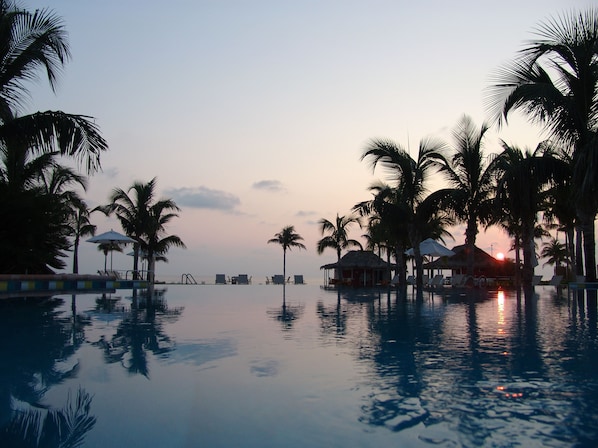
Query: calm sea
x,y
246,366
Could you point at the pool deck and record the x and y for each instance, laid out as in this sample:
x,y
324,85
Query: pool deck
x,y
20,285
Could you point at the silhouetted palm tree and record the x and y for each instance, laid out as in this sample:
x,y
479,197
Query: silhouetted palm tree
x,y
422,212
337,237
472,182
82,227
132,207
288,239
154,242
555,252
554,80
522,181
388,216
33,43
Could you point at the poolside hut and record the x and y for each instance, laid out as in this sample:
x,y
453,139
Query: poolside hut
x,y
485,265
358,268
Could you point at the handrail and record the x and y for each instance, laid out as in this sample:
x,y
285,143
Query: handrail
x,y
188,279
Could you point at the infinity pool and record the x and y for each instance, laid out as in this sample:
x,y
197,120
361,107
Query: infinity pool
x,y
243,366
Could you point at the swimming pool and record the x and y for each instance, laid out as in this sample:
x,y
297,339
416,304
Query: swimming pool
x,y
243,366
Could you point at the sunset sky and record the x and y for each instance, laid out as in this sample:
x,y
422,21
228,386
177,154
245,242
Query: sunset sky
x,y
253,114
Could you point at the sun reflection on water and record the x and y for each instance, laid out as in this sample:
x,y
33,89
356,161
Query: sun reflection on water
x,y
501,312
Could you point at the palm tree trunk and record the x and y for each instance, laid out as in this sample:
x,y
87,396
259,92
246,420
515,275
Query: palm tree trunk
x,y
528,268
579,251
136,261
76,257
589,249
284,266
470,238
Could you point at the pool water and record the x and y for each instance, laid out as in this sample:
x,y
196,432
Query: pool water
x,y
246,366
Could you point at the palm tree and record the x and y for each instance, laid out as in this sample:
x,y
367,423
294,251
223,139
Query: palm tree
x,y
31,42
555,252
472,182
554,80
144,220
422,212
337,237
132,207
522,178
387,220
82,227
288,239
154,242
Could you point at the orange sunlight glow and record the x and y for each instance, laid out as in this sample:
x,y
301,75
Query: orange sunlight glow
x,y
500,256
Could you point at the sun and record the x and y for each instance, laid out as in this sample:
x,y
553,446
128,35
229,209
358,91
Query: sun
x,y
500,256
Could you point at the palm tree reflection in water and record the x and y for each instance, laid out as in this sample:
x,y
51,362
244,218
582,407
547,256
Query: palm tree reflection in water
x,y
41,341
288,313
49,428
438,363
140,331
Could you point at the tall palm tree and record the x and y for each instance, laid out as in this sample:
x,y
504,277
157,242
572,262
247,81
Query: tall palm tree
x,y
554,80
421,211
522,181
288,239
32,43
154,242
132,207
35,235
336,235
472,182
144,219
386,211
82,227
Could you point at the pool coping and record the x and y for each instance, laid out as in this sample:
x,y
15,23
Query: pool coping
x,y
17,285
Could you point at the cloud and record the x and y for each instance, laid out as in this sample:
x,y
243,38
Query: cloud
x,y
269,185
302,213
203,197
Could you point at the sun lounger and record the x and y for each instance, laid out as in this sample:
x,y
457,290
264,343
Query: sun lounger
x,y
277,279
457,280
242,279
437,281
299,280
220,279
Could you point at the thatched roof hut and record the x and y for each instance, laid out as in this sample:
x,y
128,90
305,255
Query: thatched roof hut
x,y
359,268
484,263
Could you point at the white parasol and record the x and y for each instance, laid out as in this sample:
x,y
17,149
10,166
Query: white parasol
x,y
110,237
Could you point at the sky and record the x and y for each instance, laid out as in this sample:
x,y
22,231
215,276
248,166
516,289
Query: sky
x,y
252,115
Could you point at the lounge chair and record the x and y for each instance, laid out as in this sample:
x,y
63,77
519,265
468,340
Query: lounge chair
x,y
220,279
437,281
457,280
242,279
411,280
277,280
299,280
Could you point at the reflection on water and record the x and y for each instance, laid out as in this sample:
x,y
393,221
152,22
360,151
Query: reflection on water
x,y
445,365
202,365
139,331
37,348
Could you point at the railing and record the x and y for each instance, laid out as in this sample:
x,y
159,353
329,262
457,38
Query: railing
x,y
188,279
